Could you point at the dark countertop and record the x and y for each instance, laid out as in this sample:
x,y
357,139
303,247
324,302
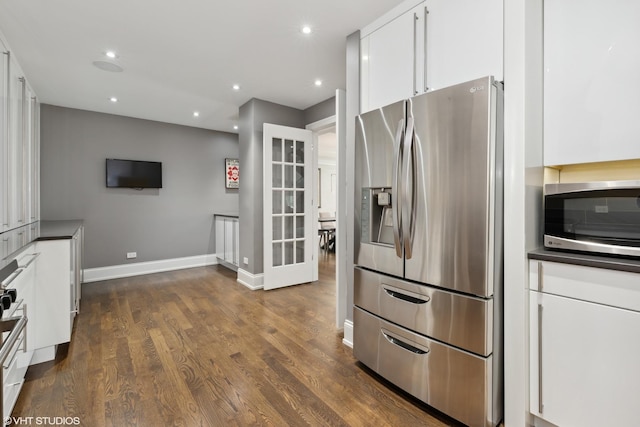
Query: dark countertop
x,y
15,240
609,262
58,230
229,214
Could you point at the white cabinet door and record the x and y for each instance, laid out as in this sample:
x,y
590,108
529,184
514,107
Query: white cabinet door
x,y
591,67
54,301
229,240
36,162
464,41
15,152
236,248
219,224
436,44
29,153
4,139
391,60
584,368
75,276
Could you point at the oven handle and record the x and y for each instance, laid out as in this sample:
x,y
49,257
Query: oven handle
x,y
12,338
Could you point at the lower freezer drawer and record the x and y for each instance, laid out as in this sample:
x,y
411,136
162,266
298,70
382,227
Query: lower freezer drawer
x,y
460,320
451,380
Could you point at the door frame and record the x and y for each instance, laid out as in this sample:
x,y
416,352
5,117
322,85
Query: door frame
x,y
337,121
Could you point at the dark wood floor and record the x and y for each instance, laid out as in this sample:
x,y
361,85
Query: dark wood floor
x,y
195,348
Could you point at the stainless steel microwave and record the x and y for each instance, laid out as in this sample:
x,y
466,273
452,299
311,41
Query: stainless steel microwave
x,y
600,217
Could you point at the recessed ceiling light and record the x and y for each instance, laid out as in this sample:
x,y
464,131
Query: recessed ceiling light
x,y
108,66
111,54
196,114
235,127
365,58
235,87
113,99
318,82
306,29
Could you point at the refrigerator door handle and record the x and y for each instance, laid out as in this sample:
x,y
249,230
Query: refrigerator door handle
x,y
408,216
397,220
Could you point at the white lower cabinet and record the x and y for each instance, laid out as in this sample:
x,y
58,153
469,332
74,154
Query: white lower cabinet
x,y
14,367
58,290
584,368
227,241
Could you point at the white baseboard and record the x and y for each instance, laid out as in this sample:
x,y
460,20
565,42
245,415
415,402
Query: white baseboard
x,y
251,281
138,268
348,333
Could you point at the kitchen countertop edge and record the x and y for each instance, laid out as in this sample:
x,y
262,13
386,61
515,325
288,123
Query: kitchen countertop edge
x,y
608,262
227,214
58,229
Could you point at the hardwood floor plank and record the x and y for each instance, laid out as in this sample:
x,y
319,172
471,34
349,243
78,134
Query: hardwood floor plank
x,y
195,348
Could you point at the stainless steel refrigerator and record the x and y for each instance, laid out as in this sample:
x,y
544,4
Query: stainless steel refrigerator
x,y
428,248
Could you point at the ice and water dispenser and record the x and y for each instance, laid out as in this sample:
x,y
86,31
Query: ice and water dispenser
x,y
376,224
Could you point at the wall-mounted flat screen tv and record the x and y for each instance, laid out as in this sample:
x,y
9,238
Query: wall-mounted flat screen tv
x,y
133,174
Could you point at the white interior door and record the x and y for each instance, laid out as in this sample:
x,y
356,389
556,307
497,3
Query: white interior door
x,y
289,225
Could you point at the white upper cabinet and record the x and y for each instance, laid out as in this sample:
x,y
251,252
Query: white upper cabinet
x,y
31,146
391,61
464,41
429,45
19,146
4,138
16,145
591,67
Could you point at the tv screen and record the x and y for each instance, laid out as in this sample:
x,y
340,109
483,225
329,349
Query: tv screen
x,y
133,174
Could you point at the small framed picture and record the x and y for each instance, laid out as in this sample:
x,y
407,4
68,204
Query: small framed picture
x,y
232,171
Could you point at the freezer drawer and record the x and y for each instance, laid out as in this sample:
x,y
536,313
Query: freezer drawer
x,y
451,380
459,320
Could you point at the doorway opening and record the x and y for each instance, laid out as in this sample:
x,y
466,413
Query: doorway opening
x,y
327,191
326,200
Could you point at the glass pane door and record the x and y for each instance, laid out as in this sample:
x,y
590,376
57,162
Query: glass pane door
x,y
288,190
288,210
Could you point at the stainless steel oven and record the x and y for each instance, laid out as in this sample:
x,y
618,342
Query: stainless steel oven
x,y
600,217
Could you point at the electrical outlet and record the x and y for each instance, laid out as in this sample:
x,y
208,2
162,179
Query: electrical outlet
x,y
245,260
131,255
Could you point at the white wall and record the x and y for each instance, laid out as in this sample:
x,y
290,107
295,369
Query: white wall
x,y
328,187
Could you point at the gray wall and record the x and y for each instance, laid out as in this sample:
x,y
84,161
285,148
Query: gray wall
x,y
172,222
253,115
321,110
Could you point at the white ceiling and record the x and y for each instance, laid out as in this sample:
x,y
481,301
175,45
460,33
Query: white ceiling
x,y
184,56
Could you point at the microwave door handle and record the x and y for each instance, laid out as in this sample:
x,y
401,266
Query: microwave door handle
x,y
396,204
408,215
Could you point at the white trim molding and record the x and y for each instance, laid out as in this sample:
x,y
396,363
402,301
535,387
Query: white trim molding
x,y
139,268
348,333
322,124
251,281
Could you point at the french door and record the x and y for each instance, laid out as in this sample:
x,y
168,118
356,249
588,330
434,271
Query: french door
x,y
289,223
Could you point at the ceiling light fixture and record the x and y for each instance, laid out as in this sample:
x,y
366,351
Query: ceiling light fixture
x,y
306,29
108,66
196,114
111,54
318,82
235,87
235,127
113,99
